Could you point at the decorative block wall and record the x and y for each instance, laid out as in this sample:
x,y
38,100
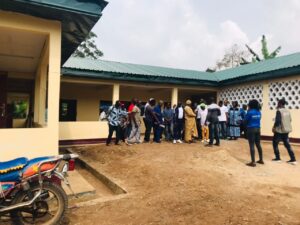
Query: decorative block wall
x,y
242,94
290,90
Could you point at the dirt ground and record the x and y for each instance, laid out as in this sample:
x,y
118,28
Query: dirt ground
x,y
193,184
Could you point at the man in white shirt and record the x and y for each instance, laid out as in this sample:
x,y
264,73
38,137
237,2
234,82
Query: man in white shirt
x,y
198,118
223,120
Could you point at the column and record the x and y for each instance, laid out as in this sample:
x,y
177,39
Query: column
x,y
116,93
174,97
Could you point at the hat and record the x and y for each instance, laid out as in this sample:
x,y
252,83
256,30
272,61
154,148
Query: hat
x,y
202,105
188,102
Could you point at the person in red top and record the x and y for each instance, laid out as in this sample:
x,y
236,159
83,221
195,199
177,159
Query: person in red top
x,y
131,106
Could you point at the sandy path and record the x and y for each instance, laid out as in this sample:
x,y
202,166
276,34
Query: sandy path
x,y
193,184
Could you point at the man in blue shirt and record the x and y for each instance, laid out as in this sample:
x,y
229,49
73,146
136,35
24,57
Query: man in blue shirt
x,y
157,127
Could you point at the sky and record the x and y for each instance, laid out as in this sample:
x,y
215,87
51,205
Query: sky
x,y
194,34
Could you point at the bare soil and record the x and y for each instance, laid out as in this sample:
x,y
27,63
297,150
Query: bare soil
x,y
193,184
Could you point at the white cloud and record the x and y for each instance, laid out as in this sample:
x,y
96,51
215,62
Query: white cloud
x,y
173,32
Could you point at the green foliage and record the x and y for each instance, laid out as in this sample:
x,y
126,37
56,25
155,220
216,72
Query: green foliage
x,y
88,48
264,50
20,109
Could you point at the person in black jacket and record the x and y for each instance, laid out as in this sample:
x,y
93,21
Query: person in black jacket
x,y
213,122
178,123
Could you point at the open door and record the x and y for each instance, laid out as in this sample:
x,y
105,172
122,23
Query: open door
x,y
3,99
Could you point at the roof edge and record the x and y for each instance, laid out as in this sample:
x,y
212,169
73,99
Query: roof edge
x,y
285,72
68,72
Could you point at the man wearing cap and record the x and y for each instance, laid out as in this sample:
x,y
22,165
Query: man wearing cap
x,y
190,123
114,115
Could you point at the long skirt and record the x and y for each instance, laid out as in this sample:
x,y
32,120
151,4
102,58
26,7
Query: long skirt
x,y
234,131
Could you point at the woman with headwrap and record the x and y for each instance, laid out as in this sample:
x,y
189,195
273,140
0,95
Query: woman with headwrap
x,y
190,123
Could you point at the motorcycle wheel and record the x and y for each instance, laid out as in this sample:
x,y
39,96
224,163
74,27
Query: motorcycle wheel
x,y
48,209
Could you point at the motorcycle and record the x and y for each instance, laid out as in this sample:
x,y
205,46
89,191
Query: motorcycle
x,y
31,192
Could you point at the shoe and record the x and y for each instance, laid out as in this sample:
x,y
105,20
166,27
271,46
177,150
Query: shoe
x,y
179,141
174,142
260,162
276,160
202,141
292,162
217,144
251,164
209,145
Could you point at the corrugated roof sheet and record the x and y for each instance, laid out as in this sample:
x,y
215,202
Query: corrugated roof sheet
x,y
258,68
278,63
136,69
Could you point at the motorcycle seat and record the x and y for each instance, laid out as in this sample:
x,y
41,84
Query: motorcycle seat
x,y
13,165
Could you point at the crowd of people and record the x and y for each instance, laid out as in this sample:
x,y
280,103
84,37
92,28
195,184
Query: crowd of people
x,y
207,122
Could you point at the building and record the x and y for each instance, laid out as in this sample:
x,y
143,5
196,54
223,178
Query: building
x,y
43,103
85,83
36,38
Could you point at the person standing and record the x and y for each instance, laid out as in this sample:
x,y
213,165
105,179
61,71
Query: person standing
x,y
204,126
252,122
234,121
168,121
281,129
243,127
150,118
213,122
113,117
198,121
135,133
178,123
158,125
223,120
190,130
124,123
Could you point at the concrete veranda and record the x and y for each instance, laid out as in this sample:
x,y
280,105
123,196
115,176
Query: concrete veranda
x,y
193,184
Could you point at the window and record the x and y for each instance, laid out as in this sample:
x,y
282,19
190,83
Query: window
x,y
67,110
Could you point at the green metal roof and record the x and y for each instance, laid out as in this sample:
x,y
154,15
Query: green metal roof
x,y
267,66
76,16
117,68
101,69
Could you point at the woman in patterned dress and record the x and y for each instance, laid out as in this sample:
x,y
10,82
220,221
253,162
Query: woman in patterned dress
x,y
234,121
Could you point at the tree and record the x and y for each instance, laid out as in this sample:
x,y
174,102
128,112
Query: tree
x,y
264,50
88,48
234,57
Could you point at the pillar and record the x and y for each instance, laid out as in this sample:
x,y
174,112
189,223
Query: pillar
x,y
116,93
174,97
